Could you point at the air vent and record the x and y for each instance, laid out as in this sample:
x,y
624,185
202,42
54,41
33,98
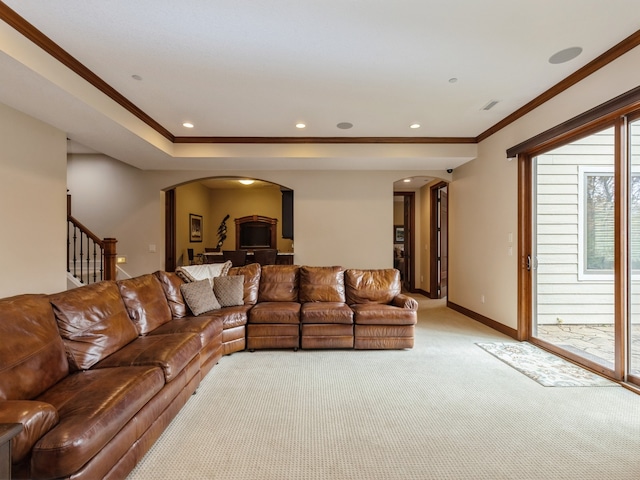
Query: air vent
x,y
490,105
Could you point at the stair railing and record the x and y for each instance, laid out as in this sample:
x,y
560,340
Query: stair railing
x,y
89,258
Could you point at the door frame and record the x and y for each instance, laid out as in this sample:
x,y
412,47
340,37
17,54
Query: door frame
x,y
527,263
409,237
170,230
434,234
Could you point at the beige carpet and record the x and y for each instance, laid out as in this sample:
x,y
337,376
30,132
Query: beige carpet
x,y
444,410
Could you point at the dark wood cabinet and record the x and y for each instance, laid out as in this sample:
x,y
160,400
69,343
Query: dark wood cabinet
x,y
255,231
216,257
287,214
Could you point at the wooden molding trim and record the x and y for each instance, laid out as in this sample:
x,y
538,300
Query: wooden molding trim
x,y
421,292
525,227
484,320
41,40
581,124
607,57
325,140
45,43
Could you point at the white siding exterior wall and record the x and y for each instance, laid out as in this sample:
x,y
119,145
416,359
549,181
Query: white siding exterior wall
x,y
564,294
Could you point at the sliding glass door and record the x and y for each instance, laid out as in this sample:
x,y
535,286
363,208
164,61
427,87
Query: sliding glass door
x,y
573,249
633,340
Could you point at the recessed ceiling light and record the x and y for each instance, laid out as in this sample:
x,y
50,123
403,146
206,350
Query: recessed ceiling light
x,y
300,125
414,125
407,180
453,80
345,125
565,55
136,77
246,182
187,125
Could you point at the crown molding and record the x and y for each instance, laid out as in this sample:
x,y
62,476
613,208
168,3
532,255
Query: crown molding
x,y
626,45
41,40
326,140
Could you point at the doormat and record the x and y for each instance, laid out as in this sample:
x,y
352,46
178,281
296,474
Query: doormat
x,y
545,368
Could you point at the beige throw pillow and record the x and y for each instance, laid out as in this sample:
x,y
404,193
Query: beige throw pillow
x,y
199,296
229,290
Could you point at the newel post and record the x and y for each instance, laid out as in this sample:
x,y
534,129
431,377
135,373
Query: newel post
x,y
110,258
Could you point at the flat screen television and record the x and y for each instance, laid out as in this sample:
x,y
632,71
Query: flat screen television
x,y
255,235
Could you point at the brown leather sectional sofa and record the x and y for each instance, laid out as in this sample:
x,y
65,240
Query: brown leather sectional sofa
x,y
95,374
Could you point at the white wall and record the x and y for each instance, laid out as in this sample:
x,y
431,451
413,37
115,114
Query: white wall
x,y
33,210
483,197
340,218
114,199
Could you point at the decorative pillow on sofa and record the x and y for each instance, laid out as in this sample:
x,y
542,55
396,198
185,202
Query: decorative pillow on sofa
x,y
229,290
192,273
199,296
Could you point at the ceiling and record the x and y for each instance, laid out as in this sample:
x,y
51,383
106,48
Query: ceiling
x,y
256,69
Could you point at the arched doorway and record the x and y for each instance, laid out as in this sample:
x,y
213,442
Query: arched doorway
x,y
216,202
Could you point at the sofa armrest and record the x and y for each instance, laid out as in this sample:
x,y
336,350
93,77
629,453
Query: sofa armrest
x,y
37,418
404,301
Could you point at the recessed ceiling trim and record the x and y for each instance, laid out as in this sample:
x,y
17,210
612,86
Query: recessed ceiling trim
x,y
29,31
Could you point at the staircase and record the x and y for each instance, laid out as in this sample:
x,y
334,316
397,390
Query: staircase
x,y
89,258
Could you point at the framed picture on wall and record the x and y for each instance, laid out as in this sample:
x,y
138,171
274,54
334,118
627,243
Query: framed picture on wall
x,y
398,234
195,227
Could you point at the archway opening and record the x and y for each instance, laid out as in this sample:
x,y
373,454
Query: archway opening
x,y
200,216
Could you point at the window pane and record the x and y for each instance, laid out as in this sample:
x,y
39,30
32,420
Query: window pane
x,y
599,222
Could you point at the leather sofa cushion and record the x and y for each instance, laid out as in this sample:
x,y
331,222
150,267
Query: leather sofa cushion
x,y
275,312
251,273
145,301
327,330
232,316
322,284
279,283
171,285
93,407
170,352
326,312
205,326
32,357
37,418
371,286
378,314
93,323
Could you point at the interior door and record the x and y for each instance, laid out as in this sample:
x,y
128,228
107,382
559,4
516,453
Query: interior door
x,y
443,233
439,240
408,254
408,219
